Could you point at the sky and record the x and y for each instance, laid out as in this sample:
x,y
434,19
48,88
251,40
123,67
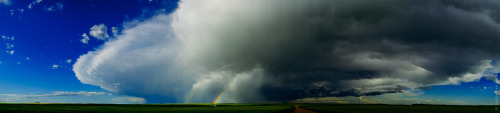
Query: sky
x,y
249,51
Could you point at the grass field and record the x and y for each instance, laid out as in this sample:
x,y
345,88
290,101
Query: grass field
x,y
164,108
350,108
242,108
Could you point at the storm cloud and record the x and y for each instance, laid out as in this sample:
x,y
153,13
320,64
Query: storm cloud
x,y
276,50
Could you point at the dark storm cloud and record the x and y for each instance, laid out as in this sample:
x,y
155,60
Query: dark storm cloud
x,y
332,41
284,50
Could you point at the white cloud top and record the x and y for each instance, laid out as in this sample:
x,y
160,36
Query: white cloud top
x,y
99,32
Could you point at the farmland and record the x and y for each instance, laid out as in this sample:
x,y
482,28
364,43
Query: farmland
x,y
169,108
381,108
244,108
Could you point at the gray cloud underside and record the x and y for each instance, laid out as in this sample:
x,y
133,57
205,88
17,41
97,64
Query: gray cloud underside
x,y
59,93
71,97
283,50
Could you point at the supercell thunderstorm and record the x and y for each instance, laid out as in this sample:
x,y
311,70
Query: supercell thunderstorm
x,y
277,50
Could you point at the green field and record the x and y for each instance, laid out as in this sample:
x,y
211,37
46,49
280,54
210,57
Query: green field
x,y
163,108
353,108
242,108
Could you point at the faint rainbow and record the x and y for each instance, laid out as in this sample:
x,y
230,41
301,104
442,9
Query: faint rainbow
x,y
218,98
193,91
190,95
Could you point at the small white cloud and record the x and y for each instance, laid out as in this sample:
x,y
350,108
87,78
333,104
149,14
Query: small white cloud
x,y
137,100
128,99
11,52
27,58
497,92
34,3
485,87
9,46
114,30
16,13
18,62
68,61
56,7
7,37
55,66
5,2
99,32
50,9
85,38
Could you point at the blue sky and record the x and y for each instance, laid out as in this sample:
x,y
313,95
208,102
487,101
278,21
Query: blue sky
x,y
188,57
44,38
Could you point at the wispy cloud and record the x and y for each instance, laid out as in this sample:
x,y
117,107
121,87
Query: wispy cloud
x,y
8,38
9,46
17,13
55,7
5,2
31,5
80,93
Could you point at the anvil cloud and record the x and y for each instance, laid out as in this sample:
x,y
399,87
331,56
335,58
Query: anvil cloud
x,y
276,50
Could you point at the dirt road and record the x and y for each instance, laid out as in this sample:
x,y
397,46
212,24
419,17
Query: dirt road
x,y
300,110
